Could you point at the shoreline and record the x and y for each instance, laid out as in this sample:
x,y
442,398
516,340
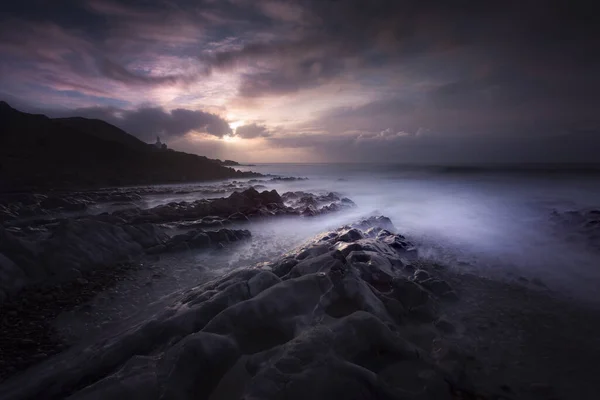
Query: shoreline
x,y
486,337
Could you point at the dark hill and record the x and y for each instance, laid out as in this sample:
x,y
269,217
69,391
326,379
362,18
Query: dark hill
x,y
104,130
39,152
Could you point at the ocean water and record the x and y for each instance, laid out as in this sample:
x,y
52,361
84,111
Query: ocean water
x,y
494,222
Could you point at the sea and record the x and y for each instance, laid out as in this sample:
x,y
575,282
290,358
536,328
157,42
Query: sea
x,y
496,221
493,222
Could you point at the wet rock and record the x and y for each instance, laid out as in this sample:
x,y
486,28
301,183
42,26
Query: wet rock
x,y
317,263
199,239
350,235
263,280
328,329
69,245
436,286
445,326
238,217
375,222
421,275
284,266
65,203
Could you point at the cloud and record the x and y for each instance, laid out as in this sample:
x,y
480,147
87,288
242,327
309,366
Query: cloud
x,y
118,72
387,135
148,122
343,79
252,131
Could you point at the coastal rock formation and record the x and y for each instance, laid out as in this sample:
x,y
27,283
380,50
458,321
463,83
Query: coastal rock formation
x,y
64,250
329,320
26,205
311,204
56,250
200,239
237,207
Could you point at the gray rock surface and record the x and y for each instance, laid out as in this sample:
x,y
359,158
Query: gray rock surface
x,y
63,249
319,323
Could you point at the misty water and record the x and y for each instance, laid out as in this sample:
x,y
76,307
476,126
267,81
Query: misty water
x,y
493,224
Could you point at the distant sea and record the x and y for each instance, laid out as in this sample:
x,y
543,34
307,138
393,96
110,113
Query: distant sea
x,y
495,220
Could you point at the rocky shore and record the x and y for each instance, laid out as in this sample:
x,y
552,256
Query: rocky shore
x,y
61,249
21,208
356,312
335,318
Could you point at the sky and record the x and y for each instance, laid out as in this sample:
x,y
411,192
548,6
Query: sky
x,y
317,80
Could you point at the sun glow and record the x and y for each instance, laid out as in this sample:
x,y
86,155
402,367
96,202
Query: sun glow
x,y
236,124
231,139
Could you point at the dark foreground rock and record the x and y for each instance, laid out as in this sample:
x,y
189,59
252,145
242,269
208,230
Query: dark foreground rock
x,y
335,319
200,239
62,251
27,333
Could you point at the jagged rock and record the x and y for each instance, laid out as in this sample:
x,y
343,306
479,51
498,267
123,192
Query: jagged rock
x,y
421,275
436,286
375,222
199,239
445,326
350,235
328,329
263,280
64,203
284,266
80,244
321,263
238,217
410,294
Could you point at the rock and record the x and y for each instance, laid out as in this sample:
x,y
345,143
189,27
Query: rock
x,y
310,265
219,236
409,293
262,281
436,286
350,235
421,275
200,240
161,248
12,278
284,266
328,329
445,326
238,217
371,222
212,354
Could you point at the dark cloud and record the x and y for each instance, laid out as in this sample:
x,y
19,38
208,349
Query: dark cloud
x,y
345,37
252,131
441,80
427,147
148,122
118,72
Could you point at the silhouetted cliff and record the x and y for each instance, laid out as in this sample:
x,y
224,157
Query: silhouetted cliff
x,y
37,151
